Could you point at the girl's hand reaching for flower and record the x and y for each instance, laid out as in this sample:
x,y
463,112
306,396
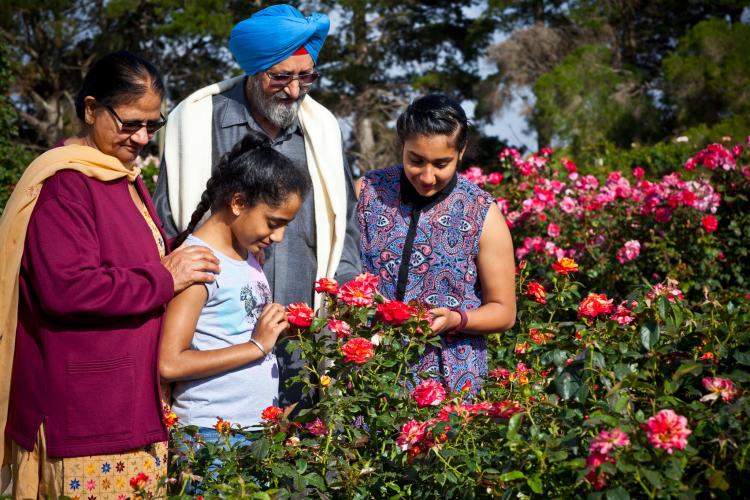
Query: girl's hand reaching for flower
x,y
271,323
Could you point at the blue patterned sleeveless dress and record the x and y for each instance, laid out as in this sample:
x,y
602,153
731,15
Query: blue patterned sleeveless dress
x,y
425,250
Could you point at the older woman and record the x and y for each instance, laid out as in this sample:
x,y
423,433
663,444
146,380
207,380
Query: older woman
x,y
84,283
436,239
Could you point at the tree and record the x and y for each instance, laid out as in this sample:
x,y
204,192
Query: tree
x,y
13,157
708,74
639,35
584,100
384,51
57,41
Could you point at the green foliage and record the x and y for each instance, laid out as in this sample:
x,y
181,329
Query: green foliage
x,y
558,380
708,74
657,159
585,101
13,157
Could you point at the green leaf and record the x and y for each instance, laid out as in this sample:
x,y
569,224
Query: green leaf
x,y
260,448
653,477
742,358
618,493
690,368
621,403
301,465
566,385
535,483
662,304
513,424
317,324
622,370
316,480
649,334
512,476
717,481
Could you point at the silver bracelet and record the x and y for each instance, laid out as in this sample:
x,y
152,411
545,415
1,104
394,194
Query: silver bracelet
x,y
257,344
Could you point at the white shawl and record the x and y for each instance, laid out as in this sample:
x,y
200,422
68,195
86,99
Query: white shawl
x,y
188,158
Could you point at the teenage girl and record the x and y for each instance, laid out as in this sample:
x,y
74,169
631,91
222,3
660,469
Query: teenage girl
x,y
436,239
218,338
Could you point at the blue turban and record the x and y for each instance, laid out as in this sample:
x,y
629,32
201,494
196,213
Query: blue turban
x,y
275,33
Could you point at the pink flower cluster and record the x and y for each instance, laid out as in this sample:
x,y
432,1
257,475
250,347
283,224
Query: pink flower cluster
x,y
417,437
670,290
713,157
476,176
629,251
600,452
623,315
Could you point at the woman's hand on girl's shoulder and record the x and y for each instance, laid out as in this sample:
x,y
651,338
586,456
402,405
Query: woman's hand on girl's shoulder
x,y
191,264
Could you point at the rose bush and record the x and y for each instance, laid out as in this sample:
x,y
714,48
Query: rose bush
x,y
618,380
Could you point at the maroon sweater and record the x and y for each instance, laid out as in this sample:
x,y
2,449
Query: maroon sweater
x,y
92,296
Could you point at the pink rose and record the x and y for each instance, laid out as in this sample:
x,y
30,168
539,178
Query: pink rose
x,y
667,430
429,392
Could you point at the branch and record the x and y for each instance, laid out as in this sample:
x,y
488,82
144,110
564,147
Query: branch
x,y
49,108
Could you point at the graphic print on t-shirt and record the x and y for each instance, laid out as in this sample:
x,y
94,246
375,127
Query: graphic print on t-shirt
x,y
254,296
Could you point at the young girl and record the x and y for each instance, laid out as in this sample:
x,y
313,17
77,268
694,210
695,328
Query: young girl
x,y
218,339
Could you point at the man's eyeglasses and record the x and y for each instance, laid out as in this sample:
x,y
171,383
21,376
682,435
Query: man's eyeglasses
x,y
284,79
133,126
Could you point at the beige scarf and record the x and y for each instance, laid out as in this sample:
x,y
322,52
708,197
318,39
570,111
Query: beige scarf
x,y
15,220
188,158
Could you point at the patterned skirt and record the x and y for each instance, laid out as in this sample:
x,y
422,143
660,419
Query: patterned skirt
x,y
99,477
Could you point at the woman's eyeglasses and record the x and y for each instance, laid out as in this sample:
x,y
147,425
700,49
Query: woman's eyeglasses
x,y
133,126
284,79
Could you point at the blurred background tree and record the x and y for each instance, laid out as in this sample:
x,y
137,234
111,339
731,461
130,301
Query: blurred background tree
x,y
613,74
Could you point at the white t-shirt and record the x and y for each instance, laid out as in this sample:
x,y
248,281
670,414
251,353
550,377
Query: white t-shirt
x,y
235,301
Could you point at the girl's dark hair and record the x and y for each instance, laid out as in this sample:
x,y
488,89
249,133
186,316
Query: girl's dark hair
x,y
255,170
434,114
119,78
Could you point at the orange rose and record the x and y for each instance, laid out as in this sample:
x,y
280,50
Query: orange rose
x,y
565,266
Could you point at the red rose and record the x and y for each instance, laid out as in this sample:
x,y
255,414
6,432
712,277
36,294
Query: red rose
x,y
139,482
360,291
594,305
394,312
327,285
317,427
429,392
710,223
536,290
358,350
340,327
272,413
300,314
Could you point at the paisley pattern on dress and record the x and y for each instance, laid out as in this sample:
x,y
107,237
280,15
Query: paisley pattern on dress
x,y
442,266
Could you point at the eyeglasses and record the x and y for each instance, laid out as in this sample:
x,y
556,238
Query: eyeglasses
x,y
284,79
133,126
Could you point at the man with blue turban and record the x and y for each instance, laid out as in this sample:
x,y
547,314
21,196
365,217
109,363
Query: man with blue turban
x,y
278,49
